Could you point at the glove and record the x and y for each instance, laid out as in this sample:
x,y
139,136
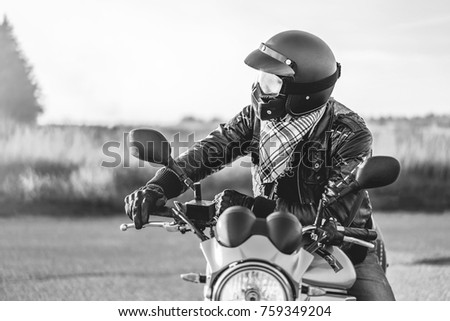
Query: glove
x,y
230,198
142,202
333,236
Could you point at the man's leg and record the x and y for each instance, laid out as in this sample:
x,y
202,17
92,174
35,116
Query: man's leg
x,y
371,282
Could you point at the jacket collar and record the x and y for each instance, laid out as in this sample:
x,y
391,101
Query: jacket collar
x,y
324,123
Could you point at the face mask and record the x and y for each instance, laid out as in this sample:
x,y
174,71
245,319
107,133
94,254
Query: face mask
x,y
267,106
274,97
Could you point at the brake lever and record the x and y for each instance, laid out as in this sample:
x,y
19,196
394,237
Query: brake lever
x,y
168,226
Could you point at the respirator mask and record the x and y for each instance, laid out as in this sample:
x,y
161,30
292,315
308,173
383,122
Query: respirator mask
x,y
275,97
266,98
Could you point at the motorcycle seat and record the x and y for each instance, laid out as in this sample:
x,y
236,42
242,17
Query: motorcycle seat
x,y
237,223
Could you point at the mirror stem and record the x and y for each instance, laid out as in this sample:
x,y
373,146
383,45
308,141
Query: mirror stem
x,y
319,213
354,186
197,192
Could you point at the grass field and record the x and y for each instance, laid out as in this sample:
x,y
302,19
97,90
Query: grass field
x,y
49,258
61,166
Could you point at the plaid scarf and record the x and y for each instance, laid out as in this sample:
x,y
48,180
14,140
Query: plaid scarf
x,y
277,143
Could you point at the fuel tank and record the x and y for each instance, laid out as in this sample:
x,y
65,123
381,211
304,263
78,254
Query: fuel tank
x,y
320,273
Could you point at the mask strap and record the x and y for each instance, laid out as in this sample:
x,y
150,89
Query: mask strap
x,y
296,88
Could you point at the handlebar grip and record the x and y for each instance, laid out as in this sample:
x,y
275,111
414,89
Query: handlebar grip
x,y
164,212
359,242
360,233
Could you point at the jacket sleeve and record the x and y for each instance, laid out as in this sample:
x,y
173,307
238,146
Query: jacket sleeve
x,y
350,148
221,147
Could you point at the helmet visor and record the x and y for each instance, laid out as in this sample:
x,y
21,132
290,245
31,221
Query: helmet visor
x,y
270,84
269,60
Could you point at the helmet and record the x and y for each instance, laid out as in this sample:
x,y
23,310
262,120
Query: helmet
x,y
307,68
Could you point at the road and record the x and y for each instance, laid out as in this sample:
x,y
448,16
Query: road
x,y
46,258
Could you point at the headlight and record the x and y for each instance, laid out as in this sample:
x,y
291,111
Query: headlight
x,y
252,281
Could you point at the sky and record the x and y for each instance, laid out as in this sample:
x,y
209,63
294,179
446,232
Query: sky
x,y
114,62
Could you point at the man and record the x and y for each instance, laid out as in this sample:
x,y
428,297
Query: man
x,y
301,142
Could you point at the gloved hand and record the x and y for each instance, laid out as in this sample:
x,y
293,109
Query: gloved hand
x,y
333,236
142,202
230,198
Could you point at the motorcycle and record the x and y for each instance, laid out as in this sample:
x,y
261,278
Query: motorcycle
x,y
273,258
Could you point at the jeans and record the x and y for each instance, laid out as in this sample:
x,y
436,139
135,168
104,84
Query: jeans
x,y
371,282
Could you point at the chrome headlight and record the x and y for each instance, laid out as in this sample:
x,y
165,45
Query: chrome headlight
x,y
252,281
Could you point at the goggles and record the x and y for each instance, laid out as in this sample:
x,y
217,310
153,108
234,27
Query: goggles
x,y
270,84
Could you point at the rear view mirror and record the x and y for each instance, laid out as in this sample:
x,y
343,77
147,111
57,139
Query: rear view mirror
x,y
378,171
149,145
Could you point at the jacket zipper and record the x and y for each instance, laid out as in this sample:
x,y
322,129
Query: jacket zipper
x,y
328,145
300,198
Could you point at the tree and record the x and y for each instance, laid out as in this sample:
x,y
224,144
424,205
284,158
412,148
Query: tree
x,y
19,92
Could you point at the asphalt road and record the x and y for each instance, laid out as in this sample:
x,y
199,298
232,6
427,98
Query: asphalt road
x,y
45,258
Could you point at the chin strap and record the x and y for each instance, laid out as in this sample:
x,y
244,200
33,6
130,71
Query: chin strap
x,y
296,88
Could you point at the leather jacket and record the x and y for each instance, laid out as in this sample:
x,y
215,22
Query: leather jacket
x,y
334,147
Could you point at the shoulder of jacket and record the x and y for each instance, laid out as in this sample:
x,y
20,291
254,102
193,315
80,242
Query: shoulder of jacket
x,y
344,116
244,117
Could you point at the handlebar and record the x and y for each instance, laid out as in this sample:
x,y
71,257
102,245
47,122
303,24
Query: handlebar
x,y
359,236
168,226
359,233
183,224
358,242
